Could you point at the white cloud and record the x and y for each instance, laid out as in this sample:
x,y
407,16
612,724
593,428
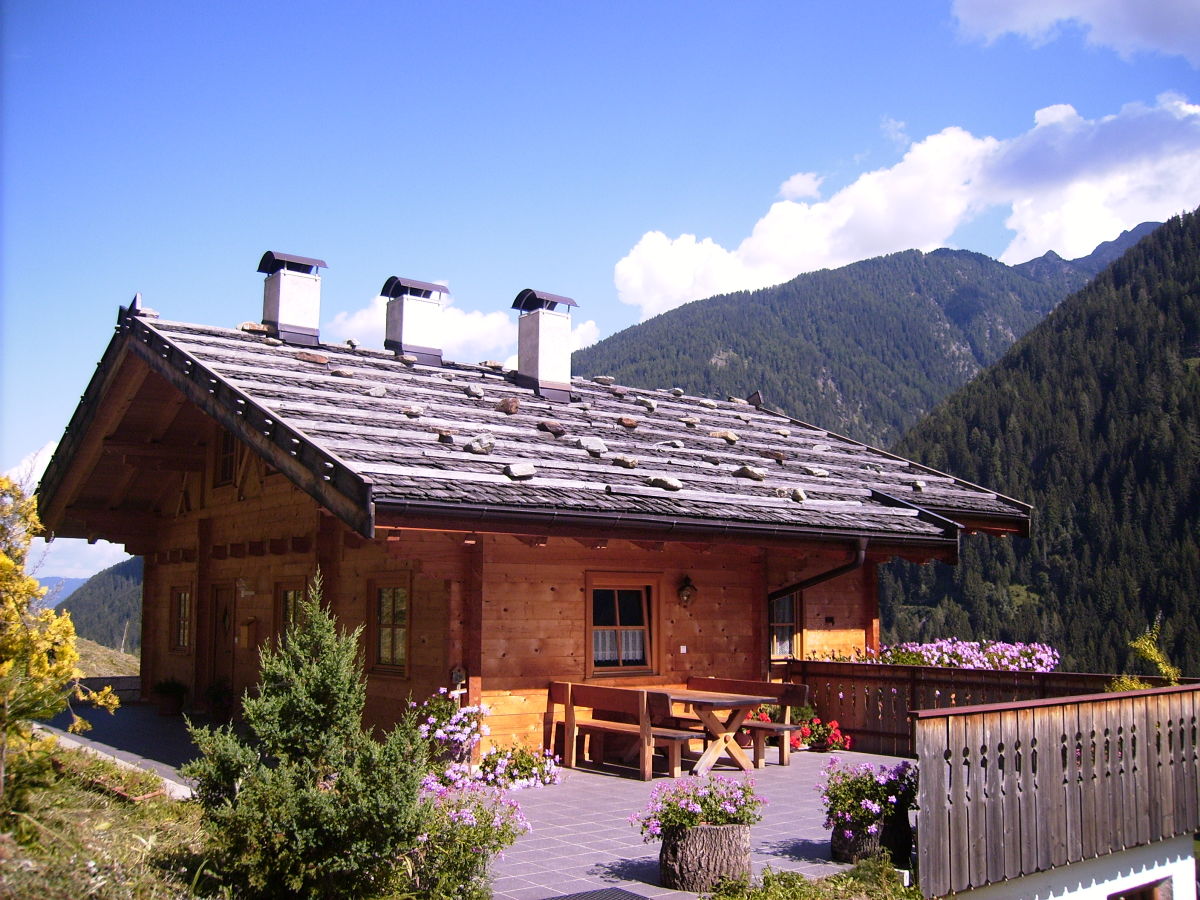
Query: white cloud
x,y
469,335
894,130
801,186
1070,183
1128,26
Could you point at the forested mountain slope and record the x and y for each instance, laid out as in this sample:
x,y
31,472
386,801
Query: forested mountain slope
x,y
1094,418
109,603
864,350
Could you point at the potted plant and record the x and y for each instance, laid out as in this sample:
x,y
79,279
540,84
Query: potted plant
x,y
170,693
821,736
704,825
866,808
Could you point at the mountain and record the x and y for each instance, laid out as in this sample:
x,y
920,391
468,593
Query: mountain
x,y
865,350
1070,275
1094,418
59,589
107,608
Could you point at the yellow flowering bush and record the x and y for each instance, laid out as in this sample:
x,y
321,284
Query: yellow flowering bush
x,y
39,674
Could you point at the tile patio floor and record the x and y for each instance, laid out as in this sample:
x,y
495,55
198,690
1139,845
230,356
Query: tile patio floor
x,y
581,840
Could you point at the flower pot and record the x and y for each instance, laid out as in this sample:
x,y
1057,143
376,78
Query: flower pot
x,y
894,837
696,858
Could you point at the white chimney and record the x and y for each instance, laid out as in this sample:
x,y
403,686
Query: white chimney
x,y
544,343
414,319
292,297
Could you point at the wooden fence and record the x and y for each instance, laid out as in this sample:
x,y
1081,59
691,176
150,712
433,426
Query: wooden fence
x,y
872,702
1014,789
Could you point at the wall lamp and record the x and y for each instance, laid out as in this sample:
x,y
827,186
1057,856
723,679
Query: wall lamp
x,y
687,591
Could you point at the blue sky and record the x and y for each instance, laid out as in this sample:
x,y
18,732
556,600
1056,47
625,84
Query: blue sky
x,y
633,156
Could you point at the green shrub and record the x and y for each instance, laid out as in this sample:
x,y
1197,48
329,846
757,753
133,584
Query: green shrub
x,y
871,879
310,805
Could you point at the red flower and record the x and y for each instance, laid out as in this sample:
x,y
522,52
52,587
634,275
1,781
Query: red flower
x,y
816,721
832,724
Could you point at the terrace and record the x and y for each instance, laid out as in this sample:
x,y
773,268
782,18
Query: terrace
x,y
581,839
1107,786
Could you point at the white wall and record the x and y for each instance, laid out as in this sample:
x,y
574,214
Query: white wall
x,y
1097,879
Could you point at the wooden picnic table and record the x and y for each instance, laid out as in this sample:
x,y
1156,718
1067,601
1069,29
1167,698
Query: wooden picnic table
x,y
721,729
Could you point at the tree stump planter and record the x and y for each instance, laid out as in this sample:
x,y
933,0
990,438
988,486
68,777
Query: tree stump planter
x,y
696,858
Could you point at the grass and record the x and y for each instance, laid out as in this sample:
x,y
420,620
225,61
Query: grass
x,y
98,661
85,841
872,879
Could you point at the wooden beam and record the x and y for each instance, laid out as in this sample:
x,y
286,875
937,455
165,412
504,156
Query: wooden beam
x,y
162,423
532,540
114,395
593,543
152,463
698,547
159,448
652,546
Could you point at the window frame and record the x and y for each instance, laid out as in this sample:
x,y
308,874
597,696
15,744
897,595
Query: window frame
x,y
398,581
281,601
644,581
224,459
183,618
797,641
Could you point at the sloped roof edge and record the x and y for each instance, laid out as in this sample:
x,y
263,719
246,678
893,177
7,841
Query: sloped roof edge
x,y
321,474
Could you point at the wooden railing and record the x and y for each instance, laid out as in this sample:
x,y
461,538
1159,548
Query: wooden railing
x,y
1013,789
872,702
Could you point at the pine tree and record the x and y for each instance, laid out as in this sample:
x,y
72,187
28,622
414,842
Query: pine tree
x,y
309,805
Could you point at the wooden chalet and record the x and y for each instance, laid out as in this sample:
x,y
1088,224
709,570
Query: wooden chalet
x,y
502,529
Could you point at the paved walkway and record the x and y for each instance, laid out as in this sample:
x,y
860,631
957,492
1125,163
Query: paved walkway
x,y
581,840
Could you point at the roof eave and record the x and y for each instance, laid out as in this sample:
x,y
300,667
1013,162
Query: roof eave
x,y
491,518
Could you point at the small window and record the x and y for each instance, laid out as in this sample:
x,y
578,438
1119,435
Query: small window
x,y
287,602
181,618
226,459
782,627
390,626
621,623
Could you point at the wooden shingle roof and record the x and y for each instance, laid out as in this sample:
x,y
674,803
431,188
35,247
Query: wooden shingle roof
x,y
401,442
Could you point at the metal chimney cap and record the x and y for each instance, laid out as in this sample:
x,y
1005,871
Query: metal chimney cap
x,y
529,300
396,286
272,261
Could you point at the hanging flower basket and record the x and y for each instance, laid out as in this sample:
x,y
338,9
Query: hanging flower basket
x,y
696,858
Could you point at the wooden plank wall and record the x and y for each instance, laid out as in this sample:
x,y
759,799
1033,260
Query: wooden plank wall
x,y
534,620
1011,790
872,702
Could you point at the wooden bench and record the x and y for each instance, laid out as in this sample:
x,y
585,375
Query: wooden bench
x,y
786,694
642,706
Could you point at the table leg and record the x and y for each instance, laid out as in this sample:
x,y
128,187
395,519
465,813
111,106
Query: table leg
x,y
723,737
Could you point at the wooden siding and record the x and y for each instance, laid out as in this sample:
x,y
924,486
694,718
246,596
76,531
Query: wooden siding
x,y
873,703
1011,790
511,612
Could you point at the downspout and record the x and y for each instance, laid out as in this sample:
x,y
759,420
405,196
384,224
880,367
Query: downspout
x,y
860,557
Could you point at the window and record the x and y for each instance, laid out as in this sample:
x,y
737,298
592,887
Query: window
x,y
181,618
621,630
389,626
226,457
782,626
287,604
